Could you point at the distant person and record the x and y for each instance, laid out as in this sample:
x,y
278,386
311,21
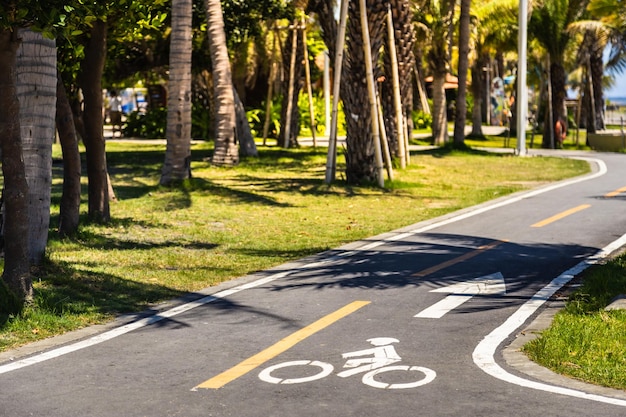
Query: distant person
x,y
560,132
116,113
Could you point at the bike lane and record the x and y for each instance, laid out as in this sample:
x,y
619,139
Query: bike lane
x,y
153,371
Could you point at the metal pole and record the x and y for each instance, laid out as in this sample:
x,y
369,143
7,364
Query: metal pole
x,y
522,94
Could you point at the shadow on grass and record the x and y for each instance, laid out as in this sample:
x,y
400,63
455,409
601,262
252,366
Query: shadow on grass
x,y
62,290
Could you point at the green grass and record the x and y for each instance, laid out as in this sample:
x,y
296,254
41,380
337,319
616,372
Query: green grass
x,y
228,222
585,341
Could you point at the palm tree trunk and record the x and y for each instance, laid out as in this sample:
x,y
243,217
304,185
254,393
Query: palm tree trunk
x,y
226,152
70,200
440,117
461,105
177,164
91,84
16,272
360,152
36,91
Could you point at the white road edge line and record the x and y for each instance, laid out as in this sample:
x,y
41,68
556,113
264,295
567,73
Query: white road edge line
x,y
103,337
484,352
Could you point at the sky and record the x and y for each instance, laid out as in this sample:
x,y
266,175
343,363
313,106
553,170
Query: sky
x,y
619,89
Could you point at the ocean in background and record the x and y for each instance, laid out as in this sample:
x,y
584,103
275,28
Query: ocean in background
x,y
620,101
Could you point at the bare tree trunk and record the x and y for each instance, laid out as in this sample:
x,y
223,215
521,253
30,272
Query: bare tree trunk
x,y
440,107
177,165
36,91
16,272
70,200
247,146
461,105
226,152
478,90
91,84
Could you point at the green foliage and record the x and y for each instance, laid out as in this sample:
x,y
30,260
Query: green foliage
x,y
148,125
421,120
318,110
10,304
256,119
585,341
201,123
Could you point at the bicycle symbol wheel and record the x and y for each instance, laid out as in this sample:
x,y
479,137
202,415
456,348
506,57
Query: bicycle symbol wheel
x,y
429,376
266,374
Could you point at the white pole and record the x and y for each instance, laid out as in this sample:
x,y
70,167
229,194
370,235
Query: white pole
x,y
522,89
326,94
369,75
331,159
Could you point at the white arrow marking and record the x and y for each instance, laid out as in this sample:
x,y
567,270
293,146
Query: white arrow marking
x,y
463,291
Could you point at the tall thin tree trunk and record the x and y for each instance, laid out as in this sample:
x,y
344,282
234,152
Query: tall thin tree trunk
x,y
226,152
247,146
70,200
36,90
16,272
461,105
440,107
177,165
91,84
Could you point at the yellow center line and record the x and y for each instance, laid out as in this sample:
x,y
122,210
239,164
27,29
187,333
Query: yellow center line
x,y
281,346
456,260
561,215
616,192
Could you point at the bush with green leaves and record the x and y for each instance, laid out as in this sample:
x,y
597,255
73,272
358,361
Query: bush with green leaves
x,y
421,120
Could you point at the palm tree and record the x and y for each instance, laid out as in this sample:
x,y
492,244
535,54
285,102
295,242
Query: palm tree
x,y
36,89
16,274
405,43
549,25
359,153
461,106
435,21
226,152
177,164
495,31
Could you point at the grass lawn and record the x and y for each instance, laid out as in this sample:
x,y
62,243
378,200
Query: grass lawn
x,y
228,222
585,341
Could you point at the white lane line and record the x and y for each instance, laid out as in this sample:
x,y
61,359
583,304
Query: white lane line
x,y
118,331
484,353
211,298
602,170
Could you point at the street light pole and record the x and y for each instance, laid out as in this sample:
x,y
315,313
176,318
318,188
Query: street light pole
x,y
522,89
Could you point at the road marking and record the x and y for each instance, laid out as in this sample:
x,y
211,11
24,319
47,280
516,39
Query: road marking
x,y
458,259
561,215
281,346
484,354
616,192
371,244
462,292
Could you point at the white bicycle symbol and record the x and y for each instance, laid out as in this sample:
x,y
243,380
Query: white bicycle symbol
x,y
382,356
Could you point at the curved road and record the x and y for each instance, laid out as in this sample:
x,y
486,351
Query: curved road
x,y
413,322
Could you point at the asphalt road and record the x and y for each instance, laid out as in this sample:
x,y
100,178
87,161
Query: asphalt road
x,y
415,322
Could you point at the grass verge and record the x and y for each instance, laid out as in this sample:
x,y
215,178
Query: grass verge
x,y
228,222
585,341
